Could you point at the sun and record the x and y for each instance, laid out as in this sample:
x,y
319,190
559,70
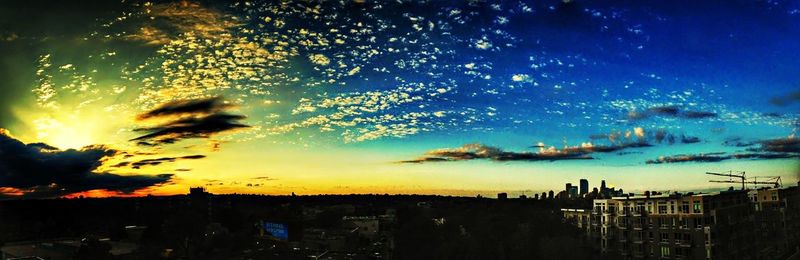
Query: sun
x,y
65,134
71,138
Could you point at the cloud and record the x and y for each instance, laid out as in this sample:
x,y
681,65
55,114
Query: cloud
x,y
639,132
781,145
708,157
737,142
264,178
778,148
157,161
699,114
480,151
187,107
669,111
426,159
638,138
765,156
40,170
720,156
786,100
689,139
639,135
665,110
170,20
772,114
198,119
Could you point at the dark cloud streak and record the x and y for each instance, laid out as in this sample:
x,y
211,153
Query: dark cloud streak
x,y
187,107
156,161
670,111
198,119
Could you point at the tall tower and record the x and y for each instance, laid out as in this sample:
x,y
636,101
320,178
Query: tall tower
x,y
584,186
568,188
602,185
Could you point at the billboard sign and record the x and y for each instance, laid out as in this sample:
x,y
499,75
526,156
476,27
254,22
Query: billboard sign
x,y
276,230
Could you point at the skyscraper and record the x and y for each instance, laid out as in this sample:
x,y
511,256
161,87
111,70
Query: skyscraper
x,y
584,186
568,188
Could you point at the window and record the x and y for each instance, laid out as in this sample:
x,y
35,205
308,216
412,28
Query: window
x,y
664,237
696,207
664,251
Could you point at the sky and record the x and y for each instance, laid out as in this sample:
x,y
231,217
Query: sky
x,y
104,98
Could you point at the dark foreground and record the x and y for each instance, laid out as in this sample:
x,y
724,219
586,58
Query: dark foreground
x,y
205,226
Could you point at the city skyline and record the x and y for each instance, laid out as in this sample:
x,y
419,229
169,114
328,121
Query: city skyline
x,y
475,98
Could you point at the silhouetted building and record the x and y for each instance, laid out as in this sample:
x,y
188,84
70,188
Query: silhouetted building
x,y
568,189
777,215
573,192
584,187
502,196
550,194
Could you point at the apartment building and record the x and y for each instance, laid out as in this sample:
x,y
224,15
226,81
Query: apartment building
x,y
734,224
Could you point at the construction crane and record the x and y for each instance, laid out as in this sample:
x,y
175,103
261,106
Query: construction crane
x,y
731,175
775,181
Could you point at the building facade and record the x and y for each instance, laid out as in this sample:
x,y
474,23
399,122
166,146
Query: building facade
x,y
761,224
